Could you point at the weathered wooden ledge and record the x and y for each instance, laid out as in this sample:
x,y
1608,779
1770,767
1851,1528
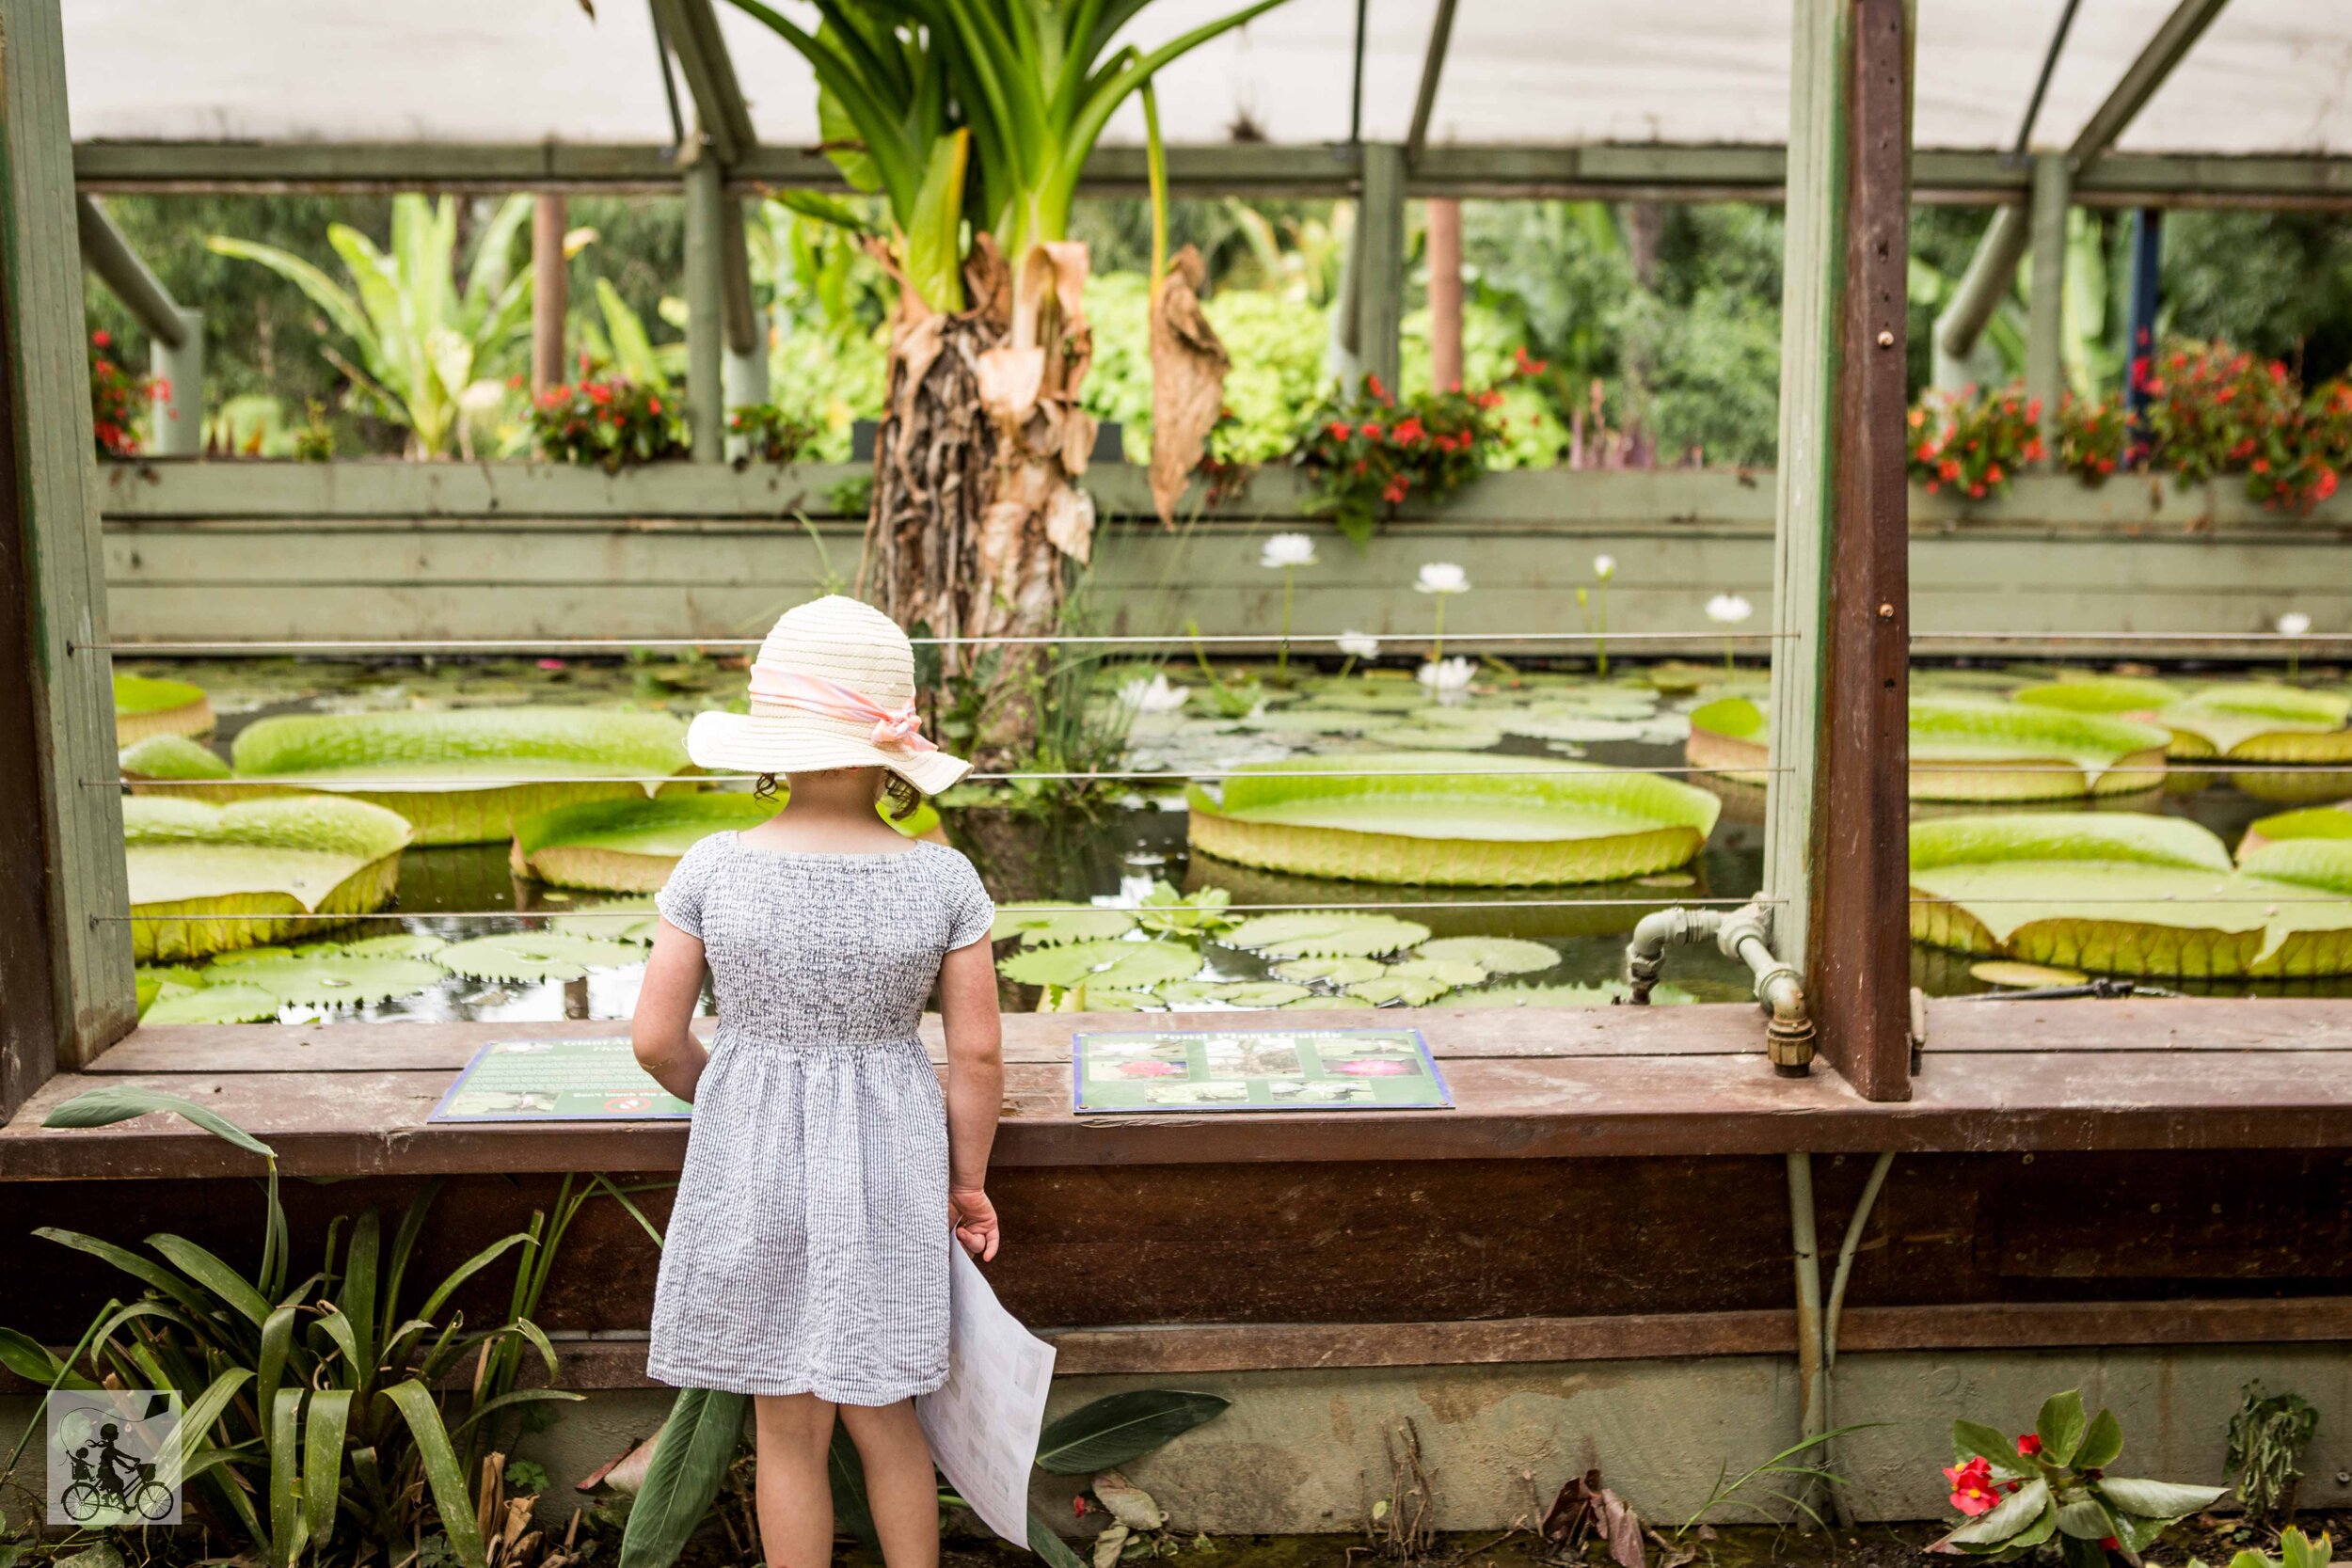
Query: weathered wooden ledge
x,y
351,1100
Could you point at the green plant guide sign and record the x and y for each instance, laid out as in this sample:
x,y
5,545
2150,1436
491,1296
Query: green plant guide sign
x,y
1256,1069
543,1080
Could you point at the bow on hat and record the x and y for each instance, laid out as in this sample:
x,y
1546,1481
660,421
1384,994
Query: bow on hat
x,y
773,687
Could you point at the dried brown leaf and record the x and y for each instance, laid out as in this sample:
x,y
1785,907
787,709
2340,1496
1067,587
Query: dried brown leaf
x,y
1189,367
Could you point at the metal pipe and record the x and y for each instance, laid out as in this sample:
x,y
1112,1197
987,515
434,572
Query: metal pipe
x,y
1812,1380
105,252
1745,934
1645,951
1836,1309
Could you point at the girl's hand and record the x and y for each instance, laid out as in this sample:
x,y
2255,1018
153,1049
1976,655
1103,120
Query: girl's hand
x,y
975,1221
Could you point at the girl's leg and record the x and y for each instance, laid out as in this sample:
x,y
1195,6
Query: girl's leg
x,y
795,1491
899,1485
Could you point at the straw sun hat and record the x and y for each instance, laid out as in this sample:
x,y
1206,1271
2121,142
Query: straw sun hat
x,y
832,687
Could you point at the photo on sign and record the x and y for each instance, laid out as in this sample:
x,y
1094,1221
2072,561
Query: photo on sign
x,y
113,1457
1255,1069
556,1080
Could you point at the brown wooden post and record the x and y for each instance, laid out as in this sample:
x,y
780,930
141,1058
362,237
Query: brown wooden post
x,y
1836,850
65,948
1861,968
551,289
1445,293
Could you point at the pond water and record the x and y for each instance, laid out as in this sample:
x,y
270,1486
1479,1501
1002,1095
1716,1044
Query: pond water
x,y
1115,846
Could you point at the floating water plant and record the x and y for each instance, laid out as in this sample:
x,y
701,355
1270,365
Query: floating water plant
x,y
1111,965
440,769
147,706
322,976
2271,725
243,869
1327,934
534,956
1730,732
1053,922
2108,695
2324,823
1970,750
2118,894
628,845
1498,822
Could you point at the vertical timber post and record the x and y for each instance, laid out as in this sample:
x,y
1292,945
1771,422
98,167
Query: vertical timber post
x,y
1836,836
65,951
550,290
180,410
1445,293
1380,263
2045,308
706,308
2140,330
744,378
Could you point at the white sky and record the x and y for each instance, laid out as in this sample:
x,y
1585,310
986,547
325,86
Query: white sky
x,y
2269,76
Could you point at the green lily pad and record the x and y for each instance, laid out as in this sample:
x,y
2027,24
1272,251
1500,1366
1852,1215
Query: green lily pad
x,y
2108,695
1494,955
1340,971
1441,737
1165,912
1560,996
1412,990
1324,1004
1970,750
2256,721
1501,822
224,1003
1332,934
435,769
2322,822
330,979
1446,972
1233,993
534,956
1052,923
630,920
145,706
398,944
2118,894
1116,965
205,879
2006,971
629,845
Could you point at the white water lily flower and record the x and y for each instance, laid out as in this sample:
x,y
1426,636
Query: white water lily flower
x,y
1152,696
1728,610
1357,644
2294,623
1288,549
1446,675
1441,577
1604,566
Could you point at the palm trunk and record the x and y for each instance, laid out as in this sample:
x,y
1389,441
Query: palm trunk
x,y
976,502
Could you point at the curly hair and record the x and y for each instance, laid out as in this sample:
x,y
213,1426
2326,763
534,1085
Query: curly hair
x,y
903,796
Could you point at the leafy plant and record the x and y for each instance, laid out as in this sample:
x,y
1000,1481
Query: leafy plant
x,y
773,435
1729,1491
1975,443
2267,1437
1368,450
313,1407
2295,1550
115,395
2052,1483
2095,436
609,421
427,347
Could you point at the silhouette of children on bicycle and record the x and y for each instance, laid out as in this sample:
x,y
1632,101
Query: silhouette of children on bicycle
x,y
106,1477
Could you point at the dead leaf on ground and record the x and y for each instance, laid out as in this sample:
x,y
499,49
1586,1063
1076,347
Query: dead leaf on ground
x,y
1584,1509
1108,1544
1130,1504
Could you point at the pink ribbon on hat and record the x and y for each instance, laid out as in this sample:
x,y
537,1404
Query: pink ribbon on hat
x,y
780,688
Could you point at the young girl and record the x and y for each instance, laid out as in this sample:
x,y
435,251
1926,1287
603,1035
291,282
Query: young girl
x,y
807,1263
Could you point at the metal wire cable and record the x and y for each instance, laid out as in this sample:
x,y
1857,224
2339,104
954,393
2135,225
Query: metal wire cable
x,y
1115,775
1714,637
2298,639
1665,895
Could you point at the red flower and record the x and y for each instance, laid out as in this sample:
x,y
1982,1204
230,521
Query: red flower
x,y
2261,464
1976,492
2327,484
2110,1542
1338,430
1490,399
1078,1507
1949,468
1395,491
1992,474
653,405
1379,393
1927,452
1971,1486
1527,366
1372,431
1407,431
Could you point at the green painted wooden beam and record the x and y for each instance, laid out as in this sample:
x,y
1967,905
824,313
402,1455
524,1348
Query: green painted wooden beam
x,y
692,29
2045,304
126,274
61,582
1660,171
2170,43
705,307
1378,285
1432,73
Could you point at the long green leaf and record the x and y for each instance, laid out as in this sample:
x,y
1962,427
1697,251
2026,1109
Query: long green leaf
x,y
1118,1428
277,1333
895,159
208,1270
286,1524
629,1204
934,249
1049,1545
198,1416
31,1360
356,1296
514,1397
323,1461
153,1276
471,1266
690,1464
104,1107
393,1270
2158,1499
451,1498
2018,1511
322,291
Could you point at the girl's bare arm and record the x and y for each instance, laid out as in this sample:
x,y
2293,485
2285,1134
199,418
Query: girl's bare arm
x,y
976,1090
665,1006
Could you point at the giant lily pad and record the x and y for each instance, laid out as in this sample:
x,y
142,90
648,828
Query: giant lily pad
x,y
1111,965
146,707
2320,822
2120,893
1729,732
1484,827
1327,934
534,956
627,845
244,868
2113,696
333,977
1965,749
2259,723
438,769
